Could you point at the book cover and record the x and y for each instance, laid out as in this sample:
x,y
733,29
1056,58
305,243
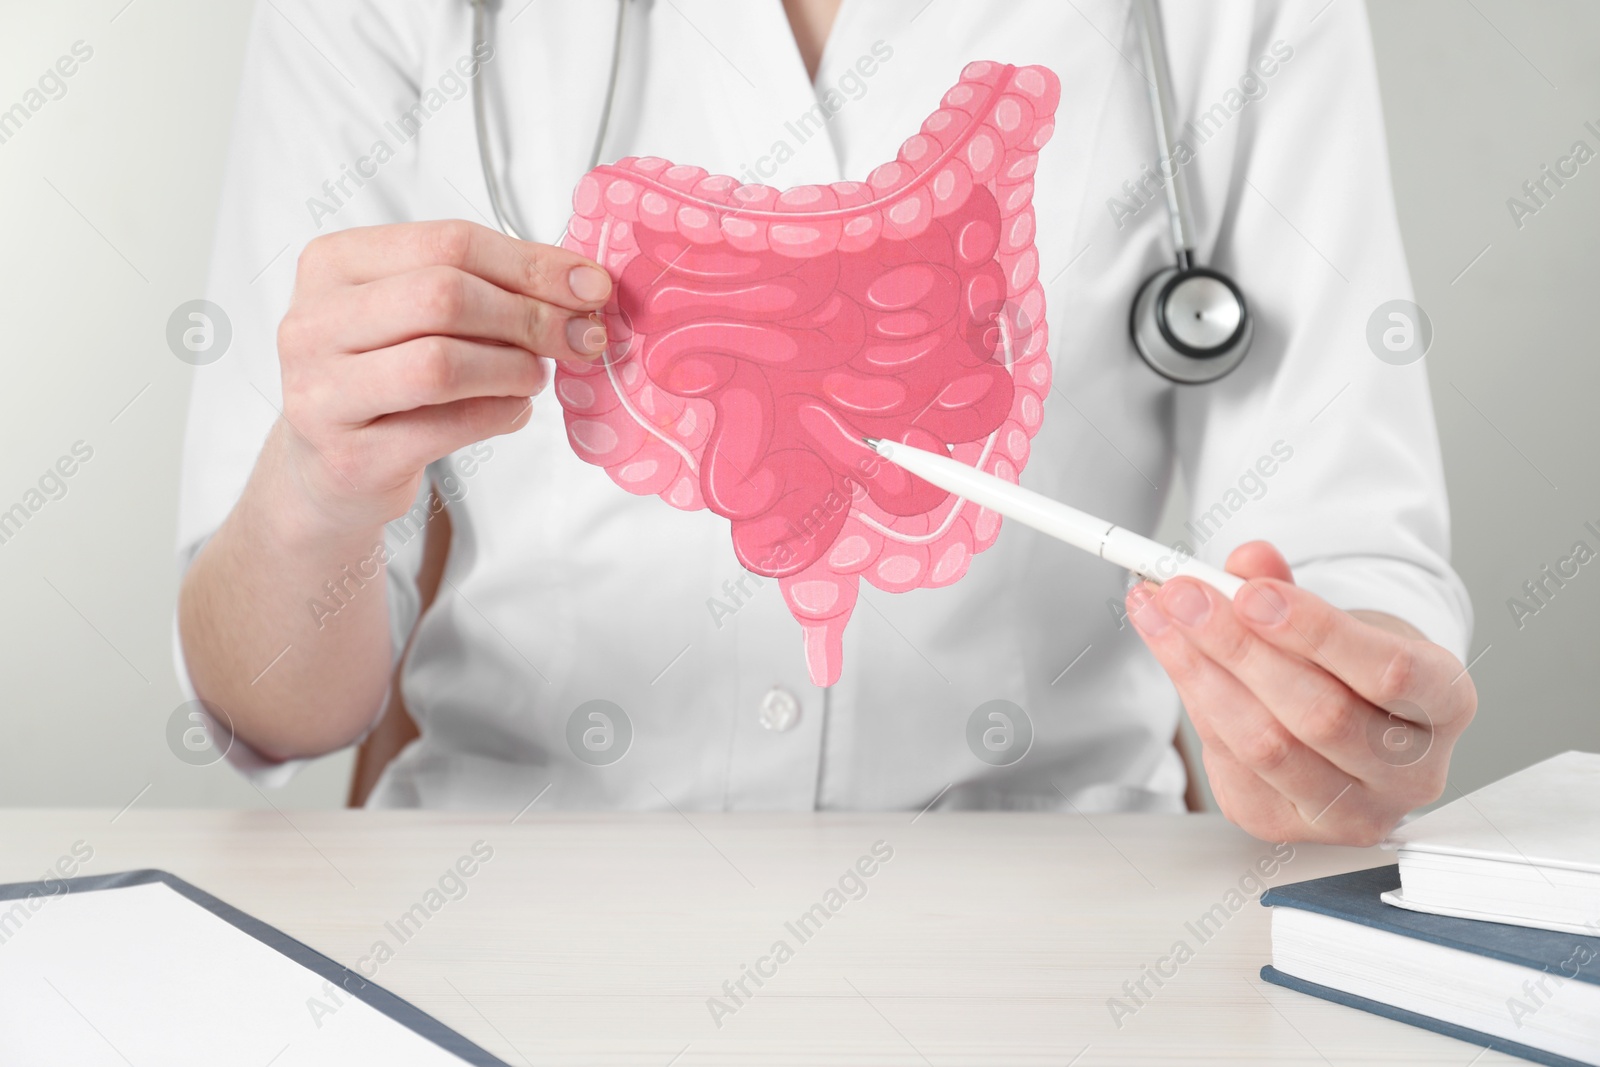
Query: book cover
x,y
1355,897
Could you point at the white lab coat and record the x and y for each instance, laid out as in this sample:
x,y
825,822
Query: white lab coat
x,y
562,589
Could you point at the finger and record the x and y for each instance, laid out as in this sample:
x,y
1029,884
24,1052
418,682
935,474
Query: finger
x,y
365,254
1222,706
1246,800
1400,674
448,302
1259,559
1316,707
425,372
413,439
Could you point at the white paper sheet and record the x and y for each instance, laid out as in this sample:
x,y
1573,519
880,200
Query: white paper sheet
x,y
142,975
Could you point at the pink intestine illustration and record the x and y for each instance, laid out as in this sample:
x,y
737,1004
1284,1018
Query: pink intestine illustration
x,y
757,335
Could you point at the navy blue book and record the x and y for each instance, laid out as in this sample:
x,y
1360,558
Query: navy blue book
x,y
1524,992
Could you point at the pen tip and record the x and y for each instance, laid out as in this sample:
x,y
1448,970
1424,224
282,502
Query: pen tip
x,y
871,442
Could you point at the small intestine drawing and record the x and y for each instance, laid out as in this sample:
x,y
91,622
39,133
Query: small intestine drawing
x,y
756,336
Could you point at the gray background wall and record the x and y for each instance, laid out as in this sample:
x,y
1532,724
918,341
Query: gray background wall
x,y
108,196
1478,95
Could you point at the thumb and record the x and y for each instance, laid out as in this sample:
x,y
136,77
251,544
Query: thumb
x,y
1258,559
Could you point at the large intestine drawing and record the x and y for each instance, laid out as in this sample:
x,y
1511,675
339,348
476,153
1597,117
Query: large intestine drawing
x,y
756,336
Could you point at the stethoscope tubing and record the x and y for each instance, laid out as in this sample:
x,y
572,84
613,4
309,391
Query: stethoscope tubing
x,y
480,120
1149,328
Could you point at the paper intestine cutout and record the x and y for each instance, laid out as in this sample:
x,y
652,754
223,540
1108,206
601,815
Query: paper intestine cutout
x,y
756,336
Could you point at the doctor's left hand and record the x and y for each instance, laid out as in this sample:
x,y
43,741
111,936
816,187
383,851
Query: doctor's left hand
x,y
1316,724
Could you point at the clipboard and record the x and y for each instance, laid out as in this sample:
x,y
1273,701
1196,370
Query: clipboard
x,y
143,967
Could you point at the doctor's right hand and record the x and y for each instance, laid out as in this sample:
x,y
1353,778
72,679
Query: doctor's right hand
x,y
406,342
402,344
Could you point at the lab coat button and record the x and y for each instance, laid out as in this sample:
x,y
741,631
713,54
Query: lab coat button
x,y
780,710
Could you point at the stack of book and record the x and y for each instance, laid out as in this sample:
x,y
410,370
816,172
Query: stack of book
x,y
1488,928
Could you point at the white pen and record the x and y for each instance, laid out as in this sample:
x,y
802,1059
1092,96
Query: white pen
x,y
1148,559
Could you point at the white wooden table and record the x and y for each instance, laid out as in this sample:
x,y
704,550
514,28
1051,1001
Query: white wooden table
x,y
986,939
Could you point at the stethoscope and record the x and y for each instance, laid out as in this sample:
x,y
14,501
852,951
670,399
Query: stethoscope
x,y
480,38
1189,323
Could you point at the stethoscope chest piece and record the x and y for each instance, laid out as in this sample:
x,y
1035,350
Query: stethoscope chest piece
x,y
1191,325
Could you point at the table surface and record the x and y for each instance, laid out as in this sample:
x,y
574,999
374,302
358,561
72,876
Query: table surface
x,y
602,939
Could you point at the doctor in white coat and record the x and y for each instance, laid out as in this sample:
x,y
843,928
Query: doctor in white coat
x,y
381,509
